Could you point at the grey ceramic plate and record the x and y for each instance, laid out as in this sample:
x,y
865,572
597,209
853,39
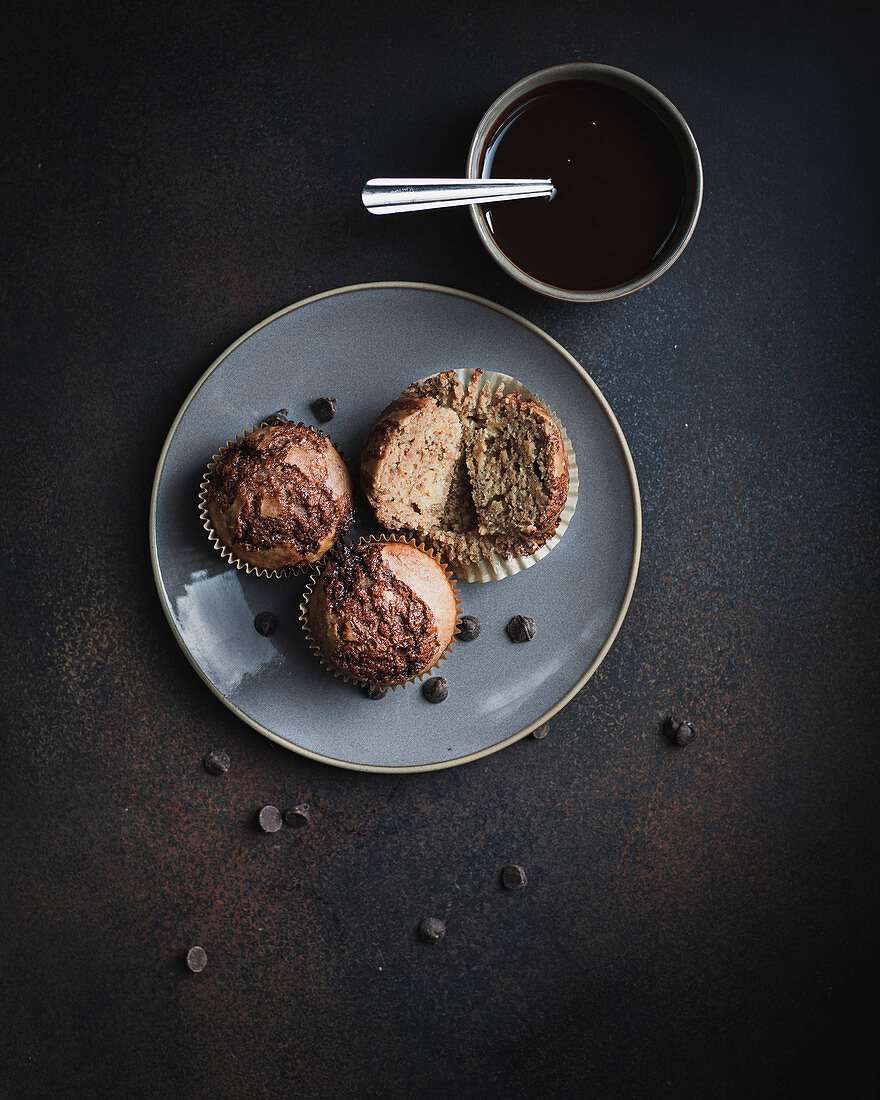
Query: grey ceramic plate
x,y
363,345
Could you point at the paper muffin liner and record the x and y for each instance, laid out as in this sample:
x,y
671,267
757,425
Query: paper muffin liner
x,y
496,567
225,552
317,568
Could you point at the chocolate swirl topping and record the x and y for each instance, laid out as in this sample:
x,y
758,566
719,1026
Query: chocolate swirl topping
x,y
384,632
276,476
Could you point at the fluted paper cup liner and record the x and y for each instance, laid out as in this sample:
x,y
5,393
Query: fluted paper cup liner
x,y
318,568
226,552
495,567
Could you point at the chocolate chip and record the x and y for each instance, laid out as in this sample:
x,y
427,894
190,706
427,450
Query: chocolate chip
x,y
469,628
266,623
216,762
541,732
277,418
270,819
324,409
431,930
436,689
298,816
679,733
521,629
375,691
513,877
197,959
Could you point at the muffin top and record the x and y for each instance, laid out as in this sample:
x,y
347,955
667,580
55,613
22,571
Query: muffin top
x,y
382,612
280,496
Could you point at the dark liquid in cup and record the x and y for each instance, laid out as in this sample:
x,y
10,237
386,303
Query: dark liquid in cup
x,y
619,178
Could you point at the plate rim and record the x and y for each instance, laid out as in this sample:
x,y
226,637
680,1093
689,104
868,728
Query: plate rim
x,y
634,563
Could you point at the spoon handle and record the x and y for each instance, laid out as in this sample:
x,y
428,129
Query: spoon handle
x,y
396,196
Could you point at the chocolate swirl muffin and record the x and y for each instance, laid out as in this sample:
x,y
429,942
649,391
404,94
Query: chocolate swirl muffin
x,y
473,471
382,612
279,497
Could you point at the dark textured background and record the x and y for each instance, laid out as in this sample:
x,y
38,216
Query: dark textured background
x,y
698,922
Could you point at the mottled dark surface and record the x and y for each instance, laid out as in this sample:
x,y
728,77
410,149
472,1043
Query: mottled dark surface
x,y
698,921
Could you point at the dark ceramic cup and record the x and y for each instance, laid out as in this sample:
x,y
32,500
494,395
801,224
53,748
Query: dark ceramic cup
x,y
505,108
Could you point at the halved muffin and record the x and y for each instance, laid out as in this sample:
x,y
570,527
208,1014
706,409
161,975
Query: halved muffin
x,y
409,461
474,471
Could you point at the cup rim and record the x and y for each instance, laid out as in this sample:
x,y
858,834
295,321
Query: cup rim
x,y
651,97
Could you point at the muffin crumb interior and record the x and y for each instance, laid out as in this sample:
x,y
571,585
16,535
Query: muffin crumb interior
x,y
472,470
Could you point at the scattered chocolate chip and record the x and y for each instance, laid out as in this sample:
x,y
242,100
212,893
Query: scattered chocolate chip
x,y
541,732
431,930
277,418
469,628
324,409
521,629
298,816
197,959
436,689
513,877
270,819
216,762
266,623
375,691
679,733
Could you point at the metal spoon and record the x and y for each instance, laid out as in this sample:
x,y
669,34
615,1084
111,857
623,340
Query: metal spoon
x,y
397,196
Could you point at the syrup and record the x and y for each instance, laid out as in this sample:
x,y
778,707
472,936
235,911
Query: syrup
x,y
619,179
